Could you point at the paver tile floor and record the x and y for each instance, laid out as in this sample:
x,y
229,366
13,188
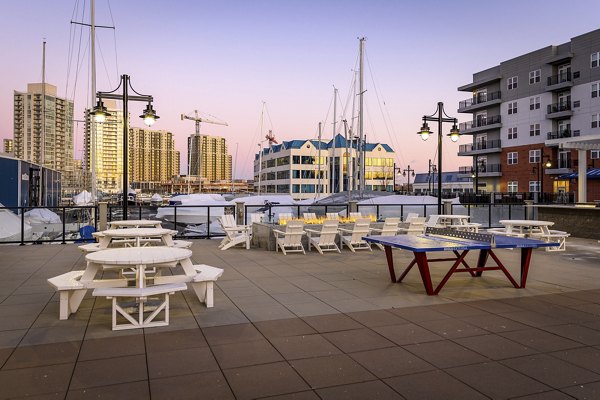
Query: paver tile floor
x,y
311,326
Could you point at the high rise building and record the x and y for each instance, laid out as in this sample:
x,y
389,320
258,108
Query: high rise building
x,y
8,146
208,157
533,116
43,130
294,167
152,156
109,149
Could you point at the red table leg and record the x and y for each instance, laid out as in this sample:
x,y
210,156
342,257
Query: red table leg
x,y
482,260
421,259
525,260
390,261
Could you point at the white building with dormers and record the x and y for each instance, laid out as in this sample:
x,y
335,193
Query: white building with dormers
x,y
293,167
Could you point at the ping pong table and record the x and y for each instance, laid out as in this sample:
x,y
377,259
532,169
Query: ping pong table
x,y
459,243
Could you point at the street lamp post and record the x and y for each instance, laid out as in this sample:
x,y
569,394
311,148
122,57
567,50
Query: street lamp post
x,y
454,135
406,172
149,116
394,173
429,172
540,172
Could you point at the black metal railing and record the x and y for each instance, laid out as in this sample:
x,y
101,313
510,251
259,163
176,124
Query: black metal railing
x,y
560,78
559,107
482,145
494,119
564,133
480,99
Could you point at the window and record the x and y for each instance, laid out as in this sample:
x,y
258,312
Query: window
x,y
534,103
513,186
512,107
512,133
513,82
513,158
595,120
534,130
535,76
596,89
594,59
534,186
283,175
295,159
594,154
534,156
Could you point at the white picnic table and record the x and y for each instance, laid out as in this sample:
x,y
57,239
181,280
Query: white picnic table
x,y
457,221
135,223
136,235
526,227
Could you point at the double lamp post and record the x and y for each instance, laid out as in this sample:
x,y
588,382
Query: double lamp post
x,y
149,116
440,117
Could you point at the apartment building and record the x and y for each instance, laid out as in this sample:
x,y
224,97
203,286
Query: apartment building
x,y
109,149
43,127
208,158
152,157
305,168
8,146
536,120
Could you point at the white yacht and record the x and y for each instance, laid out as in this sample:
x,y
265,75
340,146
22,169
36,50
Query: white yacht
x,y
194,208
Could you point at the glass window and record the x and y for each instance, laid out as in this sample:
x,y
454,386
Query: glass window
x,y
283,160
534,186
513,186
283,188
307,188
596,89
534,103
296,159
594,59
594,154
512,133
512,158
512,107
296,174
295,188
534,156
513,82
535,76
534,130
595,120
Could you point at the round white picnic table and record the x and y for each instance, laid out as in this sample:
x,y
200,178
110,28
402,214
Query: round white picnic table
x,y
139,258
135,223
526,226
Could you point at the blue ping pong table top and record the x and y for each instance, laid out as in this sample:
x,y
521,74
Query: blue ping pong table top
x,y
422,243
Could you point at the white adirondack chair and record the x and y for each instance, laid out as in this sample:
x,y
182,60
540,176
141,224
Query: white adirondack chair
x,y
290,240
334,216
355,215
324,240
389,228
416,226
433,221
410,216
352,238
284,217
309,216
234,234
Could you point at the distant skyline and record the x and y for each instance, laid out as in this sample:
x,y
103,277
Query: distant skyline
x,y
225,58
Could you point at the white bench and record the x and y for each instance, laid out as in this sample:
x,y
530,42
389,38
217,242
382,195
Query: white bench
x,y
554,236
90,247
502,231
140,320
182,244
203,282
72,291
67,284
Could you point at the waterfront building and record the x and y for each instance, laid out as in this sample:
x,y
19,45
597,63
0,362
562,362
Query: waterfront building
x,y
536,120
208,157
109,149
43,130
8,146
152,157
452,182
26,184
294,167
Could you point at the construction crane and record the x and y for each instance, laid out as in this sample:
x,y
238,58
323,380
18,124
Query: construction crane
x,y
196,118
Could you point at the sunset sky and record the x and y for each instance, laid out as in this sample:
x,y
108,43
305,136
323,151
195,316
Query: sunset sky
x,y
225,58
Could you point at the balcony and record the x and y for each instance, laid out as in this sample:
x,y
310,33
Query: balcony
x,y
485,170
480,125
561,167
559,82
561,134
559,110
480,101
483,147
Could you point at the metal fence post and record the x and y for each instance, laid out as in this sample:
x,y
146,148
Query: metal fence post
x,y
64,233
208,223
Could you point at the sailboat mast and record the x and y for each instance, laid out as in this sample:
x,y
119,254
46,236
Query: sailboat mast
x,y
43,131
349,187
262,114
319,188
93,101
361,153
352,184
331,168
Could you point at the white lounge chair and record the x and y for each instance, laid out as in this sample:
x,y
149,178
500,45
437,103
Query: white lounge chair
x,y
284,217
324,240
416,226
389,228
355,215
335,216
433,221
410,216
234,234
290,240
353,238
309,216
